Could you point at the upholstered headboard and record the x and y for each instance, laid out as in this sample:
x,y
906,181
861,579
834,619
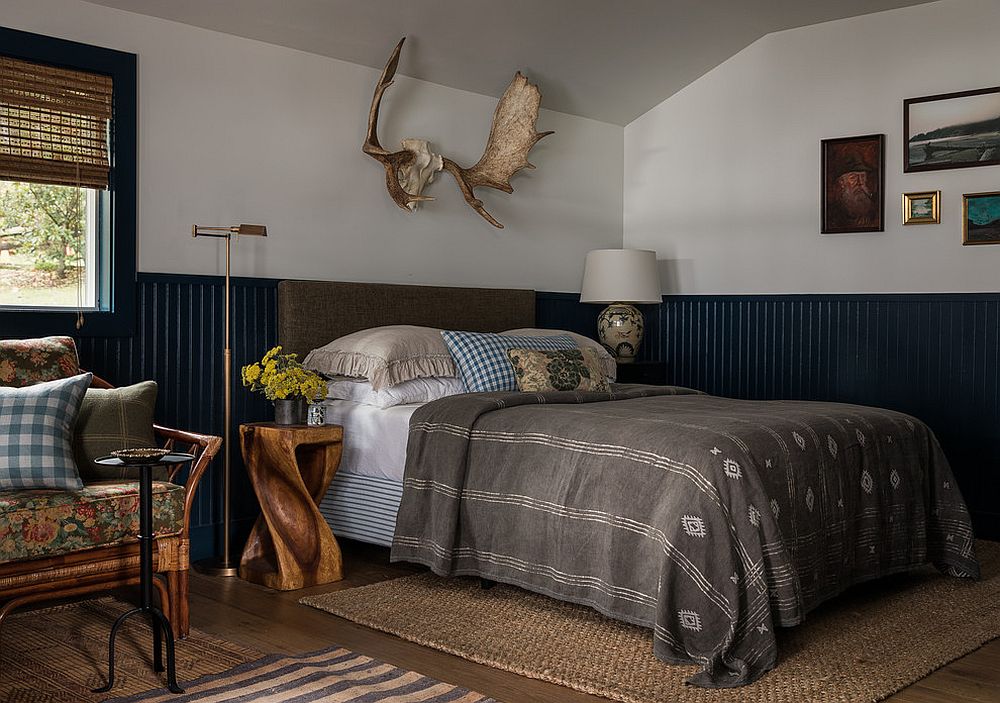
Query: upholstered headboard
x,y
313,313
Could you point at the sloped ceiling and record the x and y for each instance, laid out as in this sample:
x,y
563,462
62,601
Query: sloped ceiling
x,y
609,60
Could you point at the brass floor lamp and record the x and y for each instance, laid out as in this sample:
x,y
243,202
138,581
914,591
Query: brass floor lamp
x,y
226,565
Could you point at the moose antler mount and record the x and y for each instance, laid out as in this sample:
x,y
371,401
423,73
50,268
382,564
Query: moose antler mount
x,y
512,135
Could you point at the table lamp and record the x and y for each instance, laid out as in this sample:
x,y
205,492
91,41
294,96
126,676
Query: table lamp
x,y
619,278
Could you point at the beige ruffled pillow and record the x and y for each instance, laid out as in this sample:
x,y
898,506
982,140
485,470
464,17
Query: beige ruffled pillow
x,y
385,356
539,371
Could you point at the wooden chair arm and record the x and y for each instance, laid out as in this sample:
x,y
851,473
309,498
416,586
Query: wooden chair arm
x,y
204,447
98,382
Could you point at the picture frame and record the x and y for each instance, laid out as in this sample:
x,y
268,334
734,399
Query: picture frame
x,y
922,208
852,184
952,130
981,218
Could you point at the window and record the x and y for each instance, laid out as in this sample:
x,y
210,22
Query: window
x,y
67,187
48,241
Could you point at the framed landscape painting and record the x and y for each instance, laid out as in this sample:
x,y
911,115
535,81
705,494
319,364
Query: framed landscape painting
x,y
981,218
953,130
852,198
922,208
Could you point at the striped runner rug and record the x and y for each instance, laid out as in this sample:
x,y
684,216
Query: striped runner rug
x,y
333,675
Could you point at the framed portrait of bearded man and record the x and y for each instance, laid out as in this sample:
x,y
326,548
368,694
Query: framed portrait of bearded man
x,y
853,185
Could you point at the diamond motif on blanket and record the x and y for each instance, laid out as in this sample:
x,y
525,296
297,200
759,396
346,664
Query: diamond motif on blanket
x,y
866,481
715,451
690,620
909,424
799,440
754,515
894,478
861,436
775,508
831,444
694,526
810,499
732,469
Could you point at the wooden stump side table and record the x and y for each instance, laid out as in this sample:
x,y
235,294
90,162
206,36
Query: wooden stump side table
x,y
291,466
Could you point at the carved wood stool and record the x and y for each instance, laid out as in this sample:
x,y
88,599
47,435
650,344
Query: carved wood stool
x,y
291,466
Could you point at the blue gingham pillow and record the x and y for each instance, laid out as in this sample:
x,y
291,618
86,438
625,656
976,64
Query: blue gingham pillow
x,y
36,434
481,357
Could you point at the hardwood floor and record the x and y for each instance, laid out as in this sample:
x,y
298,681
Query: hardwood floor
x,y
274,622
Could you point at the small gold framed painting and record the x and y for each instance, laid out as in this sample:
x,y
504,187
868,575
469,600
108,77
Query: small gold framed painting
x,y
981,218
922,208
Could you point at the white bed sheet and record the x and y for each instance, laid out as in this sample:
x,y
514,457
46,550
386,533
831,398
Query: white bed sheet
x,y
374,438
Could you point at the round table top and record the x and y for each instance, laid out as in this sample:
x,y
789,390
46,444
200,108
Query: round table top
x,y
171,458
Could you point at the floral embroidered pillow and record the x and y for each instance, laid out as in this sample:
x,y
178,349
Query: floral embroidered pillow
x,y
25,362
538,371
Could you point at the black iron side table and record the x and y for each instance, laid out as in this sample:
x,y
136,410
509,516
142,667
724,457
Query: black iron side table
x,y
158,621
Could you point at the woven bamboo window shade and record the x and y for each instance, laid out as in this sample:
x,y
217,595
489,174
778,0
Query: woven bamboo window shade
x,y
54,124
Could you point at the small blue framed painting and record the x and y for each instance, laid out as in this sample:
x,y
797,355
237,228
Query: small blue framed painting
x,y
981,218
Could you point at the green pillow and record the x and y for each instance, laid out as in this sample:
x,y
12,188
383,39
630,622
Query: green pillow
x,y
110,419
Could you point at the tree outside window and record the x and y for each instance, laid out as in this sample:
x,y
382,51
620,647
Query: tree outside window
x,y
46,245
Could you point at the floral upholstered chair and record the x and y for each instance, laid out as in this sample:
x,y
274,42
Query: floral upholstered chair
x,y
69,541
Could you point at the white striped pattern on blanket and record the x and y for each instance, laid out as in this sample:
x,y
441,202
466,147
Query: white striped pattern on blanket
x,y
710,520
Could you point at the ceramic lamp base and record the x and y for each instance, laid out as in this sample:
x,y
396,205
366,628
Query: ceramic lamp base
x,y
619,329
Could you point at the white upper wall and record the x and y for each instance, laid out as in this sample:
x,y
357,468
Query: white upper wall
x,y
233,130
722,179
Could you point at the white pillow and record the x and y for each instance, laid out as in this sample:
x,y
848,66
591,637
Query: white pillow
x,y
417,390
608,364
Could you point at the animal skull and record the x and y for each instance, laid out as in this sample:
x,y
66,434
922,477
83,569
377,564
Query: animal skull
x,y
420,171
512,135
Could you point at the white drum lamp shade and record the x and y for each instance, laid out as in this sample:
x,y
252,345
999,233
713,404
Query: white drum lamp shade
x,y
620,277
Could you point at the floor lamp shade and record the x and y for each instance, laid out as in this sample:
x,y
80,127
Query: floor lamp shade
x,y
619,278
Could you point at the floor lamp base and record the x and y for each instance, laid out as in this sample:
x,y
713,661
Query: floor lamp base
x,y
217,566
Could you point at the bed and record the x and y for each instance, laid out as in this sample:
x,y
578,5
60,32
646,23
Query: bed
x,y
711,521
363,499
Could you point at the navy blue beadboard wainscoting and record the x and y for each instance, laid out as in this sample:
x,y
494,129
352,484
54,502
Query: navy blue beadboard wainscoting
x,y
934,356
178,343
931,355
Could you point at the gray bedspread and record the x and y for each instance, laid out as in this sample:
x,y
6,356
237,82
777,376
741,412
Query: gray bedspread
x,y
710,520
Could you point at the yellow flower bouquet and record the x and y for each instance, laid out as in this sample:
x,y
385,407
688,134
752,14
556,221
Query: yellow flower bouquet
x,y
281,377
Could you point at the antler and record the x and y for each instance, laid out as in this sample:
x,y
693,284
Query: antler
x,y
397,160
512,135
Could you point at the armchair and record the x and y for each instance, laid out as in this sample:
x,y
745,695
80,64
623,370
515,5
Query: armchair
x,y
109,561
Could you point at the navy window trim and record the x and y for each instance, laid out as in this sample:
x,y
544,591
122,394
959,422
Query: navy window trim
x,y
118,319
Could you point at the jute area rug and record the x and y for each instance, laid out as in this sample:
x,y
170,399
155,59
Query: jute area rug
x,y
57,655
863,646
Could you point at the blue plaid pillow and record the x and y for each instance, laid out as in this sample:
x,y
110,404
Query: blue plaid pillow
x,y
481,357
36,434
